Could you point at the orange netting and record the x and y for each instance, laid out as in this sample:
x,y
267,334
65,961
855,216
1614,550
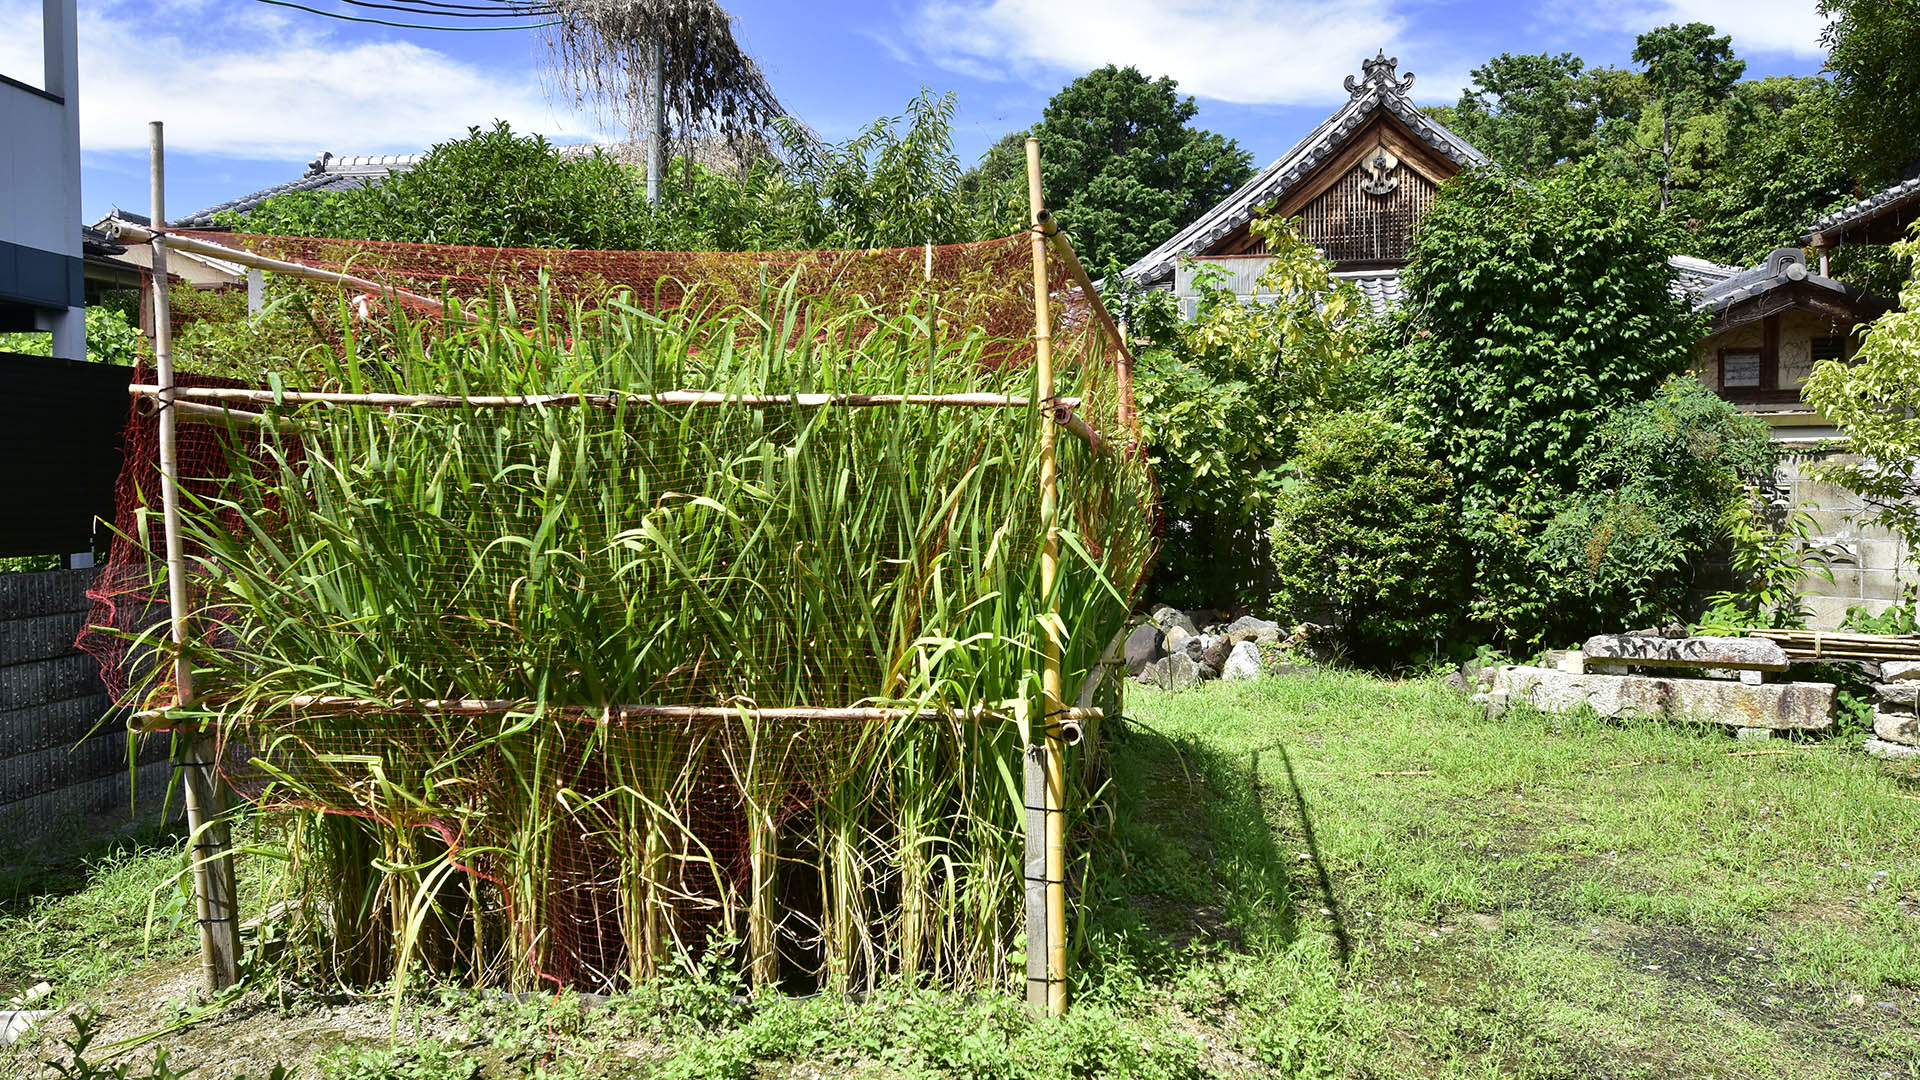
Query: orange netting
x,y
349,561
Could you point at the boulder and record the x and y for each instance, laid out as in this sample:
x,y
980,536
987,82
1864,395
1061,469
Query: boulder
x,y
1897,727
1243,662
1457,682
1264,632
1895,671
1142,648
1738,653
1168,618
1208,673
1181,672
1196,646
1176,639
1780,706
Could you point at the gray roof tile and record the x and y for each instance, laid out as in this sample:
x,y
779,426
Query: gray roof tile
x,y
1378,88
1867,207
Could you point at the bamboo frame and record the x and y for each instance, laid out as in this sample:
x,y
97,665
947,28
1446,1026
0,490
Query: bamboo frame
x,y
1063,249
319,705
215,900
1059,410
141,234
1832,645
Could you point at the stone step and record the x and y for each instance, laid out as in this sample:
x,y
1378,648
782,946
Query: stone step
x,y
1778,706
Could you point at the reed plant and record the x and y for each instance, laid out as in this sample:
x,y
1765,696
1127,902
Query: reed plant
x,y
574,559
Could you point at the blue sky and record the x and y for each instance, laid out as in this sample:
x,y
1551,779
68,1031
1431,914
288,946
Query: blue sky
x,y
251,92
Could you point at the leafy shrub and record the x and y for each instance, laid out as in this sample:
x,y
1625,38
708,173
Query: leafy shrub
x,y
1658,481
1363,539
1223,400
111,338
1534,312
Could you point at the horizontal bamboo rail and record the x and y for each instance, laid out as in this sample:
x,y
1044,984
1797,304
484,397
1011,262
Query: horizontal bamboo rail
x,y
141,234
1833,645
164,719
1060,410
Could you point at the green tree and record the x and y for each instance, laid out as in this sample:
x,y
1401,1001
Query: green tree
x,y
1123,167
1786,166
1688,72
1874,56
492,188
1528,112
1875,399
1534,310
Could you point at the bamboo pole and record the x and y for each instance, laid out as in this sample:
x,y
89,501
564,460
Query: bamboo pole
x,y
666,397
194,752
323,705
141,234
1123,356
1051,683
1060,411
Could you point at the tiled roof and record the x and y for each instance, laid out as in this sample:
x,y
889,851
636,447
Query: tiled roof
x,y
1785,266
1386,290
1383,288
324,173
1871,206
1379,88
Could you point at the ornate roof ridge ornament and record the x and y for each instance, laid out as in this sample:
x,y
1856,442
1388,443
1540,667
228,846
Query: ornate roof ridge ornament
x,y
1381,71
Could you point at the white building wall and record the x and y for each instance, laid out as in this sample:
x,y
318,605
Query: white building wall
x,y
40,212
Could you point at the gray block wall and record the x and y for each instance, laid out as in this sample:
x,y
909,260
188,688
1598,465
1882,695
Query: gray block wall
x,y
63,750
1876,565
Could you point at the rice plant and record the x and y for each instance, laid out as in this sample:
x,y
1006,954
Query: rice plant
x,y
568,560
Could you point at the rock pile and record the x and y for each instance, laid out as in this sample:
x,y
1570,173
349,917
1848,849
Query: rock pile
x,y
1896,710
1177,649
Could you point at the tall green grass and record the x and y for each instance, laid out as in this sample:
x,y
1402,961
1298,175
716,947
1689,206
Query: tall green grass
x,y
592,557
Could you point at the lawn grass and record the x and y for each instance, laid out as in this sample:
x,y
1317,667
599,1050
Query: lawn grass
x,y
1320,875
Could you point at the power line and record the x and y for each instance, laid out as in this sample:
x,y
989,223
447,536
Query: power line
x,y
414,26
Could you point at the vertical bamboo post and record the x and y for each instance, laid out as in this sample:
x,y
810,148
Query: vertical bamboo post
x,y
1051,688
194,748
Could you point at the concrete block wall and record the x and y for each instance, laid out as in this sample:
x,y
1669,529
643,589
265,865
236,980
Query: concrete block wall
x,y
1876,566
63,750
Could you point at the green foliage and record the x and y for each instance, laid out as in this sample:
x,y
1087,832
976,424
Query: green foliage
x,y
1630,544
1783,167
73,1063
492,188
1901,618
1529,112
1223,399
1363,539
1873,397
1123,167
1772,555
895,184
1534,311
111,338
422,1060
1874,55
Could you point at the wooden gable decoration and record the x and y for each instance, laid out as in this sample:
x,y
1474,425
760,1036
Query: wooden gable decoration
x,y
1362,205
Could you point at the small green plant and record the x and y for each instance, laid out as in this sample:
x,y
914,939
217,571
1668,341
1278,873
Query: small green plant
x,y
1771,563
1898,619
423,1060
73,1064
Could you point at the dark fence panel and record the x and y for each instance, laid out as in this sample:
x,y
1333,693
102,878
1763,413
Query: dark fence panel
x,y
60,424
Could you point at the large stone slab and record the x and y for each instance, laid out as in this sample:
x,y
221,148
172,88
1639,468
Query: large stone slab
x,y
1780,706
1898,727
1900,670
1881,748
1739,653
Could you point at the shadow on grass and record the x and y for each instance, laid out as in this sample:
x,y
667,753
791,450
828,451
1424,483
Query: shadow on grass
x,y
1196,864
66,862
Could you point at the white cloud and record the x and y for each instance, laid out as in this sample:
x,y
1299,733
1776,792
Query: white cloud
x,y
251,83
1766,26
1254,52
